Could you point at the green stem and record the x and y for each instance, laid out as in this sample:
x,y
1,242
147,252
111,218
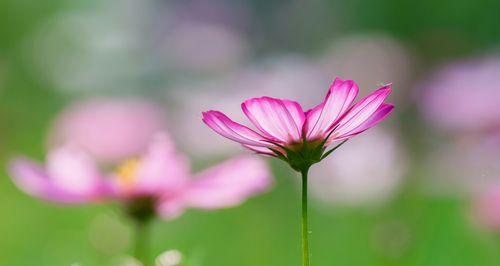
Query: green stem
x,y
305,222
141,248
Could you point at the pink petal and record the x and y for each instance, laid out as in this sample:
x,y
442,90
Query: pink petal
x,y
296,112
382,112
33,179
362,111
279,120
229,183
260,150
338,100
109,129
221,124
161,169
171,207
73,171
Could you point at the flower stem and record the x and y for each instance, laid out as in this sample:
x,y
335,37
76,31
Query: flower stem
x,y
305,222
141,248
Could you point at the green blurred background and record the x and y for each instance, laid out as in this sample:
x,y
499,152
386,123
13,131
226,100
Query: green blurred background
x,y
49,52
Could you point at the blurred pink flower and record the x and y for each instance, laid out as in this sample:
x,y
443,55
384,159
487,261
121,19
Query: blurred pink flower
x,y
464,96
301,138
366,173
486,208
284,126
466,166
69,176
159,180
108,129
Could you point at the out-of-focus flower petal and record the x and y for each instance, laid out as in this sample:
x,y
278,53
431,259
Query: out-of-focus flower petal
x,y
72,170
338,100
31,178
229,183
260,150
362,111
34,180
279,120
463,97
221,124
110,130
171,206
162,169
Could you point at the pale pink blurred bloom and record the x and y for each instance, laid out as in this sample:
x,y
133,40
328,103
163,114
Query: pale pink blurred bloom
x,y
366,173
283,122
160,176
464,96
158,171
370,58
69,176
466,167
486,208
108,129
287,75
203,47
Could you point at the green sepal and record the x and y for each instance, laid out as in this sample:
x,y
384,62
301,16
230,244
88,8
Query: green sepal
x,y
279,155
302,155
287,150
332,150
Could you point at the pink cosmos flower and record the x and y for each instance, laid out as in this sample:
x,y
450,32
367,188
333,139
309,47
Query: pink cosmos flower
x,y
298,137
158,181
109,130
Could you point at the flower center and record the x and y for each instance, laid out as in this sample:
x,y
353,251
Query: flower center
x,y
304,145
127,173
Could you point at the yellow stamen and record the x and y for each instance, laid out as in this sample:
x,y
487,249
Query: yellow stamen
x,y
127,172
